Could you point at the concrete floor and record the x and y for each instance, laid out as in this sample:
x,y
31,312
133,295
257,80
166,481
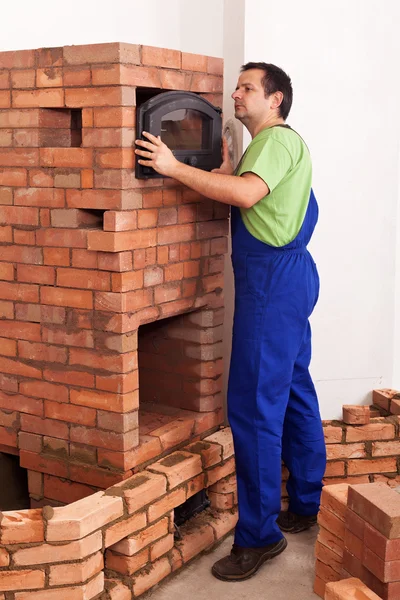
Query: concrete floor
x,y
288,577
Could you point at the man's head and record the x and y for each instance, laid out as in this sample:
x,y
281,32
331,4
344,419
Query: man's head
x,y
262,89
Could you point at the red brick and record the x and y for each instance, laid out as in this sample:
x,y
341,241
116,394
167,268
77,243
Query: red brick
x,y
42,352
22,527
383,397
24,404
40,426
56,256
14,177
19,157
127,565
102,53
379,505
71,238
65,491
22,579
356,415
38,98
337,451
76,77
72,298
67,375
44,464
115,262
76,573
43,554
42,389
49,57
146,580
120,241
115,158
5,99
66,157
194,62
23,79
17,59
6,271
331,522
84,259
386,448
379,465
6,140
87,178
355,523
117,116
4,79
120,383
104,439
385,549
6,310
373,431
49,77
36,274
94,199
117,422
99,96
20,330
30,442
21,292
137,541
385,571
105,400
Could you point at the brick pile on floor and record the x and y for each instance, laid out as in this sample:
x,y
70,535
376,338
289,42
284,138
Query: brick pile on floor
x,y
359,538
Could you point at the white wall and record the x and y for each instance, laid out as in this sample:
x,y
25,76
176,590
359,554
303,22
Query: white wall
x,y
343,59
177,24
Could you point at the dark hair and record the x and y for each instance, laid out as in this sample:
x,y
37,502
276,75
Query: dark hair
x,y
274,80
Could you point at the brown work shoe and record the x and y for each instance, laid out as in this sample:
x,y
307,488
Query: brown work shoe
x,y
243,563
292,523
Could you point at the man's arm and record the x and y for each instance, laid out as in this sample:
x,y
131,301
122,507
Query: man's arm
x,y
244,191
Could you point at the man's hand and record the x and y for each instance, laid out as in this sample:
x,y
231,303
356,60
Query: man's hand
x,y
226,168
157,155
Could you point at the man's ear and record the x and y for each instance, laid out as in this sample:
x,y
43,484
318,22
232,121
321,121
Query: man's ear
x,y
277,99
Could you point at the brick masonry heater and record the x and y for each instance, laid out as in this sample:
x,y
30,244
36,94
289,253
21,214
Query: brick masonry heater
x,y
112,286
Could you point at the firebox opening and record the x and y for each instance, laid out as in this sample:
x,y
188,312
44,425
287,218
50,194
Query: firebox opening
x,y
166,370
91,218
192,507
14,494
60,127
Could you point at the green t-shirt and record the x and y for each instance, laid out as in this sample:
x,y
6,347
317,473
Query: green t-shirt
x,y
281,158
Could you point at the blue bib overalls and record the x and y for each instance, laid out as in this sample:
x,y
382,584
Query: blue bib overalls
x,y
272,404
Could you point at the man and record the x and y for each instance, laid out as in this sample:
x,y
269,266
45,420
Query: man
x,y
272,405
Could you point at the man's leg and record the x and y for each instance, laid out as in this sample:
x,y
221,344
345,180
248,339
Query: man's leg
x,y
271,311
303,446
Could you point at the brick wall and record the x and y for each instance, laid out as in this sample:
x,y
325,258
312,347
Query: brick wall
x,y
89,256
117,544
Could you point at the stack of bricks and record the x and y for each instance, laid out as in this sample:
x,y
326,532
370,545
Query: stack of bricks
x,y
117,544
365,446
89,255
374,554
359,537
330,545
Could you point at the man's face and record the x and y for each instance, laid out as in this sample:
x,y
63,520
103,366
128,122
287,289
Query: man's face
x,y
249,96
